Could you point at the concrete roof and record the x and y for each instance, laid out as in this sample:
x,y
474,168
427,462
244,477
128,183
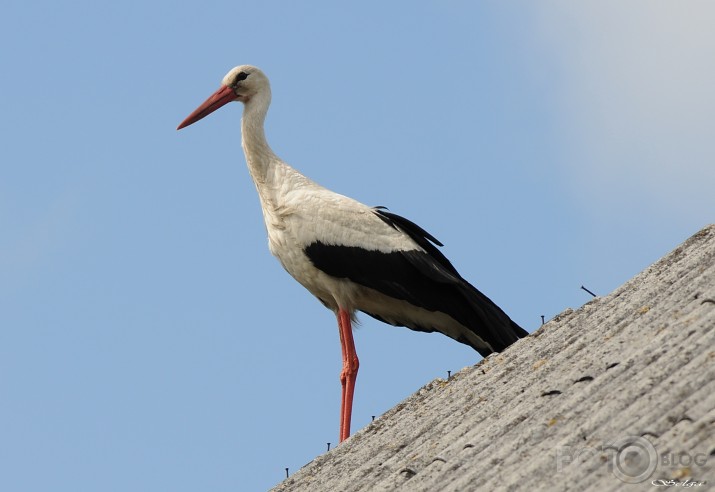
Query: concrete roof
x,y
595,398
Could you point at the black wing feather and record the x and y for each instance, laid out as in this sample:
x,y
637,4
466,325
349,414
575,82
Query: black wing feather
x,y
490,312
424,279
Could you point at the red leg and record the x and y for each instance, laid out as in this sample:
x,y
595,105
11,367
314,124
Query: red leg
x,y
349,373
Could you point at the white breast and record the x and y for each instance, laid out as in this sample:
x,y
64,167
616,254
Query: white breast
x,y
300,212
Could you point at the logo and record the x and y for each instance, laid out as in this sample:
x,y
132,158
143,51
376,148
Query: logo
x,y
632,459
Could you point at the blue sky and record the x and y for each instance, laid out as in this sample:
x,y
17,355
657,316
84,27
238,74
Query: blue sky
x,y
148,340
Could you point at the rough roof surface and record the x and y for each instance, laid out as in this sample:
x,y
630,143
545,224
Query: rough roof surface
x,y
574,406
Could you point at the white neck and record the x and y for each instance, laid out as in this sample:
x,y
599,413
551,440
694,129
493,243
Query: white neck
x,y
259,156
273,177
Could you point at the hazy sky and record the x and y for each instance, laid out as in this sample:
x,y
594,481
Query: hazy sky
x,y
148,340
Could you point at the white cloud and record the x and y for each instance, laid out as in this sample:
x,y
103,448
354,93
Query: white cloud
x,y
637,87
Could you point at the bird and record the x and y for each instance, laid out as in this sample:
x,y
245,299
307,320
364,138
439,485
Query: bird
x,y
351,256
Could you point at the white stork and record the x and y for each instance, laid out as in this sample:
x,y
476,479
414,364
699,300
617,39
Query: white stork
x,y
353,257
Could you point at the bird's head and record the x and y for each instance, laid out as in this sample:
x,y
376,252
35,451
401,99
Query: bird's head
x,y
243,83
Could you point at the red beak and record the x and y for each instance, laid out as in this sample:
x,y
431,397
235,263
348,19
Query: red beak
x,y
219,98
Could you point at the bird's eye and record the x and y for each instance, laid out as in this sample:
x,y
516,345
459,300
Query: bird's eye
x,y
241,76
